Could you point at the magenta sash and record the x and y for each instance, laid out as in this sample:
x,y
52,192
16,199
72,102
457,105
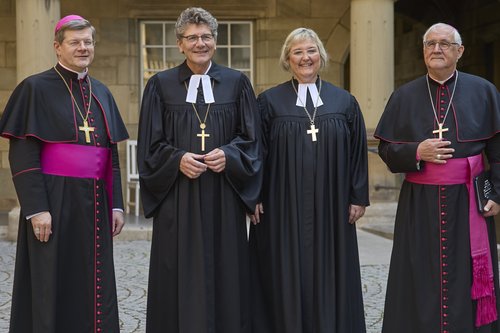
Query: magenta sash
x,y
462,171
72,160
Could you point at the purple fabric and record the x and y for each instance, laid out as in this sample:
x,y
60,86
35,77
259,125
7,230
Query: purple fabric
x,y
65,20
72,160
462,171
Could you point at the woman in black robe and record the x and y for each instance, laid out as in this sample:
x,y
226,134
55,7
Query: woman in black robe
x,y
315,187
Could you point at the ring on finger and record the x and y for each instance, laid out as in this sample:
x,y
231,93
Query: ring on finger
x,y
438,156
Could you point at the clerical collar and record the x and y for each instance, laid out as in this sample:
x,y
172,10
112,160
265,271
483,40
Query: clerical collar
x,y
302,94
443,81
79,75
194,83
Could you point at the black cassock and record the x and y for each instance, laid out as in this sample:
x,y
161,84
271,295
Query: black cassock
x,y
429,286
68,283
306,251
199,274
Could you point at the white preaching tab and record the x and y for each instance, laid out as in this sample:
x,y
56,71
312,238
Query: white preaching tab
x,y
194,82
302,94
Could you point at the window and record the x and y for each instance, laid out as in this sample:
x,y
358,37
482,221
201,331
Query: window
x,y
159,47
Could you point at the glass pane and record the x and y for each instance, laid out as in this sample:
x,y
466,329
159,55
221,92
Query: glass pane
x,y
222,34
170,34
240,34
240,58
153,34
153,58
173,57
221,56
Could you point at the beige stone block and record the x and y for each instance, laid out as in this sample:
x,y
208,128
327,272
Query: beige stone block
x,y
4,155
10,55
329,8
121,95
292,8
270,73
4,97
114,29
106,75
8,81
8,29
3,54
103,60
127,70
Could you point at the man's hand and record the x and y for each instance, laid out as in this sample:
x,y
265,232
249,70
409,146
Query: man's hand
x,y
216,160
355,213
191,165
118,222
435,151
259,210
42,226
491,208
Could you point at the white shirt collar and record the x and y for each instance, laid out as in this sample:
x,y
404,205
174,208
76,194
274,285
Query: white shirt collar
x,y
313,91
81,75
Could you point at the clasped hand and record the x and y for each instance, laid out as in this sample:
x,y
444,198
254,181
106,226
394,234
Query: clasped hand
x,y
193,165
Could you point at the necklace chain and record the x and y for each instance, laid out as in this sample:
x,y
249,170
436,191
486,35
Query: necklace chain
x,y
73,97
311,118
432,101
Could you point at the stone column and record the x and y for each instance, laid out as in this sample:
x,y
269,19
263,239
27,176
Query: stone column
x,y
372,81
372,56
35,22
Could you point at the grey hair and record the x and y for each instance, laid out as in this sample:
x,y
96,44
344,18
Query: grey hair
x,y
301,34
456,36
195,15
74,25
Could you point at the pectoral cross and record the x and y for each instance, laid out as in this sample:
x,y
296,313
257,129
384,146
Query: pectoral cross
x,y
85,128
313,132
440,130
202,135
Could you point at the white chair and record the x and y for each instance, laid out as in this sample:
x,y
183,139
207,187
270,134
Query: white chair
x,y
132,177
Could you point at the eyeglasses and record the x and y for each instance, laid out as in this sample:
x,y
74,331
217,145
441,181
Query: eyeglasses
x,y
443,45
192,39
76,43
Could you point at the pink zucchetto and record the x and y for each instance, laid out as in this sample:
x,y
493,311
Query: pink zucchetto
x,y
65,20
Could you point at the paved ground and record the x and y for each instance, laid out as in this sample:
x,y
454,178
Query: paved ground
x,y
131,264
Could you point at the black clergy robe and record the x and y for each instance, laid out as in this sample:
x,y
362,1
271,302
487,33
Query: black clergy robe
x,y
306,251
68,283
429,285
199,269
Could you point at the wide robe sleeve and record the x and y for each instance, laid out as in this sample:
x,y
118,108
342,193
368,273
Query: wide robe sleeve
x,y
243,162
359,157
157,159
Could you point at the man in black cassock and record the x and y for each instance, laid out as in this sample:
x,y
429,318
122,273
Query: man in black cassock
x,y
198,161
437,129
63,128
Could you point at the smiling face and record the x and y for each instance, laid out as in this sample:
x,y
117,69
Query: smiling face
x,y
200,51
441,63
304,60
76,51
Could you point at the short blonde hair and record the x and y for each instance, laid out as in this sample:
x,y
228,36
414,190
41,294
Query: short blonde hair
x,y
301,34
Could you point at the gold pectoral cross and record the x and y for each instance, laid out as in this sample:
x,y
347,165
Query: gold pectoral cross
x,y
440,130
313,132
202,135
87,129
